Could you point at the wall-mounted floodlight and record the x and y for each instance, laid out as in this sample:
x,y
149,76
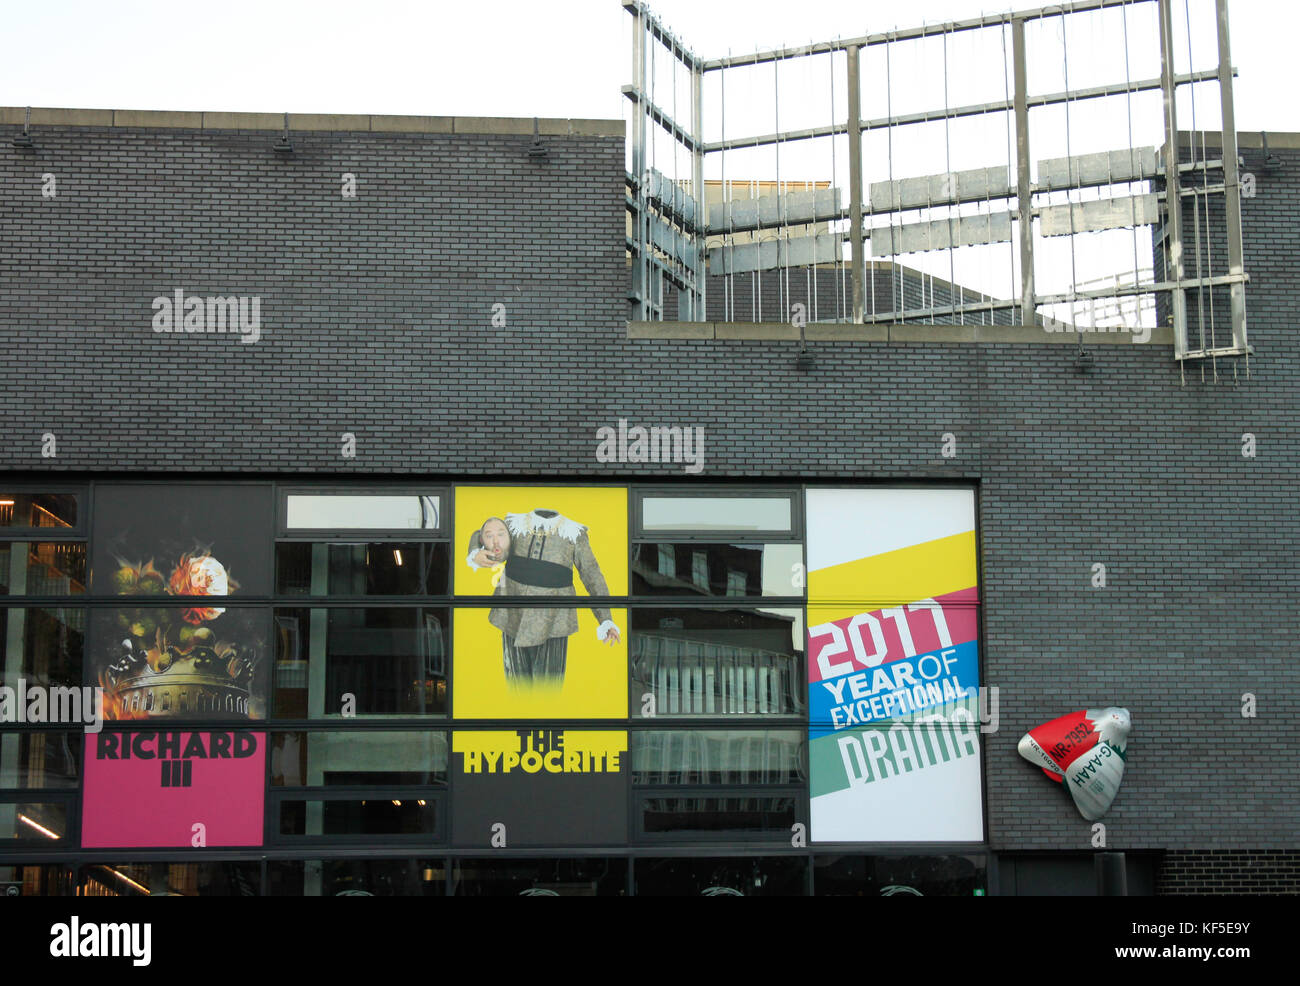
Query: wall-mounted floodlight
x,y
537,150
282,146
24,139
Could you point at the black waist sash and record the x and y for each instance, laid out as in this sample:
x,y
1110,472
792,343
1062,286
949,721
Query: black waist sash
x,y
535,572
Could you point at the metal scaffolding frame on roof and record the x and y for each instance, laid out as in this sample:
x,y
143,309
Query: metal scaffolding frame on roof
x,y
679,241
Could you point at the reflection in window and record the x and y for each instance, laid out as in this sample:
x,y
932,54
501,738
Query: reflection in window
x,y
43,645
712,662
381,568
716,513
377,815
667,563
887,876
310,759
716,569
40,760
45,823
49,880
214,879
28,510
599,877
43,568
731,876
357,878
699,569
362,512
727,756
734,815
389,660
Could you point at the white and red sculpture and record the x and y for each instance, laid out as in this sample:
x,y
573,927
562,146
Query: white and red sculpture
x,y
1085,751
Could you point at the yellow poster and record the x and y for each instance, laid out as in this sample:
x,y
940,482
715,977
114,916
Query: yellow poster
x,y
534,652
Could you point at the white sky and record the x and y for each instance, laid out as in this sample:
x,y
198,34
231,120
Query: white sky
x,y
566,58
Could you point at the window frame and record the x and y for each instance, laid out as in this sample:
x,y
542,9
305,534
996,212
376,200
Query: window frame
x,y
283,532
793,494
78,531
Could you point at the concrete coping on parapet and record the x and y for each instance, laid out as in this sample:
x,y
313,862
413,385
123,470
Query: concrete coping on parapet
x,y
337,122
841,332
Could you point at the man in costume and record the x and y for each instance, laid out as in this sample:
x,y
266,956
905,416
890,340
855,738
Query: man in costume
x,y
540,549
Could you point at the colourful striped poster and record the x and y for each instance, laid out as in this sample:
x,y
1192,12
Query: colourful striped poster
x,y
893,665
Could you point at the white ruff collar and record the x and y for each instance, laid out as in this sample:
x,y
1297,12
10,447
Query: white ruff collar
x,y
522,525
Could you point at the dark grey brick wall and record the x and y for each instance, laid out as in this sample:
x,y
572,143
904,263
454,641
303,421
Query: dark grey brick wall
x,y
1227,872
376,317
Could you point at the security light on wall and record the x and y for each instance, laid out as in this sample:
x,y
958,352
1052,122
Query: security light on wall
x,y
1271,161
24,139
282,146
537,150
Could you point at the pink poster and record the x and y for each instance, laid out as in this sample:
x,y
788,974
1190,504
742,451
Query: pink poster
x,y
173,789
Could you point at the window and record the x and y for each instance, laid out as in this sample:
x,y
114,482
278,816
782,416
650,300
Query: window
x,y
369,757
45,646
376,568
700,570
719,512
40,760
717,756
667,561
726,569
357,878
361,661
28,511
42,568
736,583
716,662
362,512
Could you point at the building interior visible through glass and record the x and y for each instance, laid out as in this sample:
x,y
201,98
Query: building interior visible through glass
x,y
361,709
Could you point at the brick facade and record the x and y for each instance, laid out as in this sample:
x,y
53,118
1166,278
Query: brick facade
x,y
377,320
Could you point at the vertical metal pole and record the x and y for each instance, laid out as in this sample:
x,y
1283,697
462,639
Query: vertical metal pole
x,y
1173,196
640,258
855,184
1024,190
1231,190
697,183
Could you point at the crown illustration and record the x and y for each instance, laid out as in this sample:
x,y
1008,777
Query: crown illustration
x,y
170,661
201,681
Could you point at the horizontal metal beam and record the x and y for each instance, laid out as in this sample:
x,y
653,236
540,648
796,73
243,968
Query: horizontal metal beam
x,y
664,36
1127,291
674,276
954,112
989,305
646,105
998,304
911,34
1221,351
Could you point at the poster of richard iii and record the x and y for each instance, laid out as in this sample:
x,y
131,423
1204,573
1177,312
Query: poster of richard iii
x,y
180,557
